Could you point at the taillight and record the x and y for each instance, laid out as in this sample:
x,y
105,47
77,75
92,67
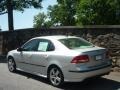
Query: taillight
x,y
80,59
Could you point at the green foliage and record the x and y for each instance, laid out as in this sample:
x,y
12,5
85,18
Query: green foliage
x,y
22,4
63,13
100,12
84,12
41,20
3,7
60,14
19,5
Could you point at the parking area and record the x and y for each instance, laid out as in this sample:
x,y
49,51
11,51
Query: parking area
x,y
24,81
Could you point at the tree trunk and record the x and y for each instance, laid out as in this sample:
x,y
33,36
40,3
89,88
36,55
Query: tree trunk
x,y
10,15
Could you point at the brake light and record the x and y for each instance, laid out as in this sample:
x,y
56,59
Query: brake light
x,y
80,59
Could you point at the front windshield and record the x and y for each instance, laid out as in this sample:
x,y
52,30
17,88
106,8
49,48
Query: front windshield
x,y
75,43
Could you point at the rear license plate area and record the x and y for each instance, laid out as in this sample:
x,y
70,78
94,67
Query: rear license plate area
x,y
98,57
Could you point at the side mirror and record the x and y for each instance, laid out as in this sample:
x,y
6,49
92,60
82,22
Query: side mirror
x,y
19,49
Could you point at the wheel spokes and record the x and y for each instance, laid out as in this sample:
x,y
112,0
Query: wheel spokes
x,y
57,73
55,76
58,79
11,65
11,62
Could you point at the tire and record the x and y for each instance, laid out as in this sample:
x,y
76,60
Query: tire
x,y
55,76
11,65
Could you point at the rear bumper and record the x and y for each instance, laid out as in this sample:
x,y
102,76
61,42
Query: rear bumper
x,y
83,71
78,76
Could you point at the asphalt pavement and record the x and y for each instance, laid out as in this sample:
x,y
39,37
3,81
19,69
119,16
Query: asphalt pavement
x,y
24,81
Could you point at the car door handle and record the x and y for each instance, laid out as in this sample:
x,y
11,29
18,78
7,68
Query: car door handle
x,y
45,56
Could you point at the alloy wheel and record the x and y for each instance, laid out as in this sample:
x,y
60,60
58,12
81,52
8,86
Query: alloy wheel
x,y
56,76
11,65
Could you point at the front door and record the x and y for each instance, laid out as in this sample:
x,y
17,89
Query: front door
x,y
26,55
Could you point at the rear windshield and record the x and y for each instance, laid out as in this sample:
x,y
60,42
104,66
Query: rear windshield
x,y
75,43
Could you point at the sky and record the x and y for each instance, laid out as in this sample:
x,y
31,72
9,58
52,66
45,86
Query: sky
x,y
25,19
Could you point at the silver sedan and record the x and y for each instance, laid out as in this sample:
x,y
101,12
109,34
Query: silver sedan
x,y
60,59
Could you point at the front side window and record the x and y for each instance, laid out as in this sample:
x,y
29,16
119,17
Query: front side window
x,y
31,45
75,43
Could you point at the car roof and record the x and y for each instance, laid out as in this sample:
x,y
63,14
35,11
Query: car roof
x,y
55,37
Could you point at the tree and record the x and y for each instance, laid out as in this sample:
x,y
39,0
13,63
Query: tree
x,y
84,12
7,6
63,13
40,20
100,12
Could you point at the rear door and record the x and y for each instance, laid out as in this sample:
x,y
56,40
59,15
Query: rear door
x,y
39,59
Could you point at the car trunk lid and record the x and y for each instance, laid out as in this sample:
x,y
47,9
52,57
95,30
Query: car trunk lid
x,y
97,57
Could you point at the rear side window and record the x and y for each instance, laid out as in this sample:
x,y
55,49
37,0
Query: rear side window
x,y
75,43
45,45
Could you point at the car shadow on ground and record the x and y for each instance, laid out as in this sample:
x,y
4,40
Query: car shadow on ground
x,y
93,84
31,76
89,84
